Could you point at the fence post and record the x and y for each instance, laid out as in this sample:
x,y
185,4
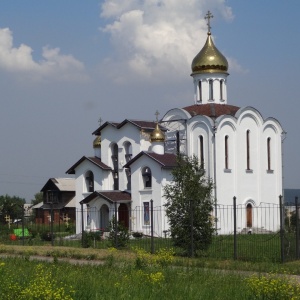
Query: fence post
x,y
297,228
151,224
281,229
234,230
82,225
116,226
192,226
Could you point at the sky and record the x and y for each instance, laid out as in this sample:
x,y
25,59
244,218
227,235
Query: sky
x,y
64,64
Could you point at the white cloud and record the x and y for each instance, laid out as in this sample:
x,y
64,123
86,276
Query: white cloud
x,y
54,64
155,38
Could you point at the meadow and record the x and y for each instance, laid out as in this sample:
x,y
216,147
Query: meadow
x,y
136,274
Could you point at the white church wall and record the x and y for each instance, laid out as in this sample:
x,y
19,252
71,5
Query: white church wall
x,y
201,126
141,195
226,175
102,181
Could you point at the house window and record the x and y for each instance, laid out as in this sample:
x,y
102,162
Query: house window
x,y
146,211
226,152
201,151
269,153
211,89
89,181
248,148
200,91
147,177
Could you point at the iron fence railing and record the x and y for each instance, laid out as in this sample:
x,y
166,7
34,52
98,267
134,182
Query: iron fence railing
x,y
268,232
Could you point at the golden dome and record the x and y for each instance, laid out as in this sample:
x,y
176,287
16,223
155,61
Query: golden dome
x,y
97,142
209,59
157,135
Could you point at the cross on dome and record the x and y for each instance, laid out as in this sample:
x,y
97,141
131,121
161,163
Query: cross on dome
x,y
207,17
157,114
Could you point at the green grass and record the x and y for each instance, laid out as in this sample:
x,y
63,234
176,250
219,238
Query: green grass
x,y
119,281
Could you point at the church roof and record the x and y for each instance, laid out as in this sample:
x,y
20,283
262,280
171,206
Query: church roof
x,y
113,196
145,125
166,160
95,160
211,110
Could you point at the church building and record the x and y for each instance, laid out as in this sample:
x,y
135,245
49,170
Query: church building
x,y
133,160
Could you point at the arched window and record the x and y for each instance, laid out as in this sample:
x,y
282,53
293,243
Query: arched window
x,y
201,151
211,89
226,152
89,181
269,153
200,90
128,151
248,148
147,177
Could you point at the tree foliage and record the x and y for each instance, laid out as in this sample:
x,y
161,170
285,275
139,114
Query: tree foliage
x,y
11,206
189,205
38,197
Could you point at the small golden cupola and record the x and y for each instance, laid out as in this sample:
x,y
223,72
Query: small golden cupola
x,y
157,135
157,138
209,70
97,146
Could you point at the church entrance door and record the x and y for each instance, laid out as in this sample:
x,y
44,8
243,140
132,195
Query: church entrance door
x,y
249,215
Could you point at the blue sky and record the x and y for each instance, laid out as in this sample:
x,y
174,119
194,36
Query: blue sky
x,y
64,64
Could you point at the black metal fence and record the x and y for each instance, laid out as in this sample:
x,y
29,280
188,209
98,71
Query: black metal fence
x,y
269,232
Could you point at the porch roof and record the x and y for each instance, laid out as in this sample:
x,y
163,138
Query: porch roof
x,y
112,196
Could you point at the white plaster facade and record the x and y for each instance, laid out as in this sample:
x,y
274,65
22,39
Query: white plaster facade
x,y
240,151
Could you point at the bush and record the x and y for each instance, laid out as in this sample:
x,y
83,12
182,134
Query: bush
x,y
119,238
137,234
47,236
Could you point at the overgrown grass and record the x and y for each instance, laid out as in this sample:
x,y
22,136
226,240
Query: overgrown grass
x,y
18,278
136,274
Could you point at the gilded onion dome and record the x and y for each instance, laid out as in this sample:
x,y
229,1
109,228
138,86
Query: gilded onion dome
x,y
97,142
209,59
157,135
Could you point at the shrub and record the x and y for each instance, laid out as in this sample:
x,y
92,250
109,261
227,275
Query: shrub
x,y
119,237
273,287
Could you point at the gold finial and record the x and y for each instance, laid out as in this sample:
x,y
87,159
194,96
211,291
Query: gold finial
x,y
157,114
207,17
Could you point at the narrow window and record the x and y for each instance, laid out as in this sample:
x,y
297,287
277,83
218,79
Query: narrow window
x,y
146,213
211,90
248,149
115,161
147,177
249,215
201,151
269,153
89,181
226,152
128,151
221,90
177,142
200,90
